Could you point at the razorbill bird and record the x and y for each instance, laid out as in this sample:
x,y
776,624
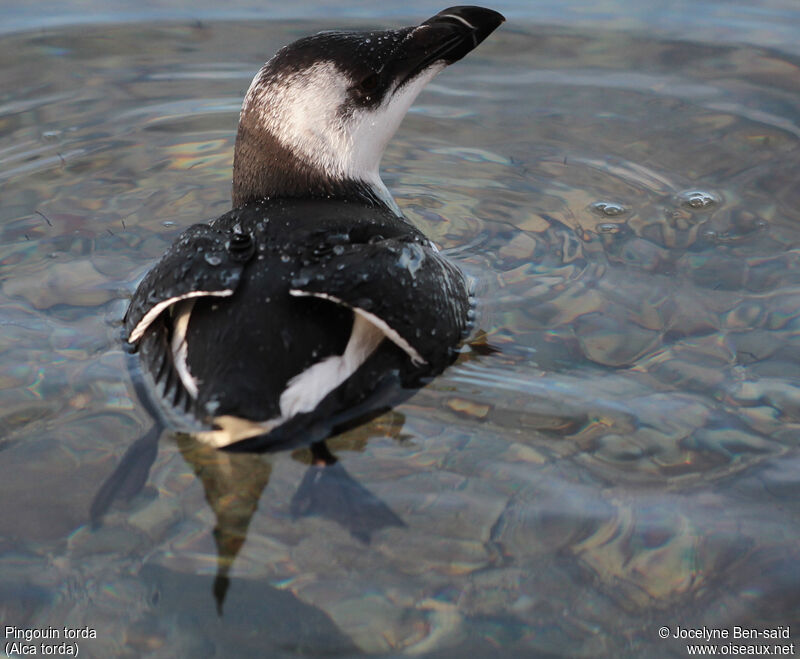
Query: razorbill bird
x,y
296,311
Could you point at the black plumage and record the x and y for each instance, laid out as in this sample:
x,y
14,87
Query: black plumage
x,y
243,348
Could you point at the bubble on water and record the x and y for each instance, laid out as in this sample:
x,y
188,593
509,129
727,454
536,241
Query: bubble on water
x,y
168,223
608,208
609,227
698,200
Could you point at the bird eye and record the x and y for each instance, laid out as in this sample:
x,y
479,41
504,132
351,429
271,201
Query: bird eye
x,y
369,83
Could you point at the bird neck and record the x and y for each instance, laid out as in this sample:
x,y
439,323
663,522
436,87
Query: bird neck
x,y
263,168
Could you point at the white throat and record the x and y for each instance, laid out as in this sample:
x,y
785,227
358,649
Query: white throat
x,y
307,114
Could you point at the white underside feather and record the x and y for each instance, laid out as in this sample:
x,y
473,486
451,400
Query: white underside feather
x,y
307,389
179,347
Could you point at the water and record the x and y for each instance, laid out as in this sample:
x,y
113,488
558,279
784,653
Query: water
x,y
616,453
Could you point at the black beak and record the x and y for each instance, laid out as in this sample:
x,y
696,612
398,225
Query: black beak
x,y
446,37
463,29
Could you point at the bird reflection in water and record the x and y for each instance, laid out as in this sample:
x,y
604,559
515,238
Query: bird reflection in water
x,y
233,484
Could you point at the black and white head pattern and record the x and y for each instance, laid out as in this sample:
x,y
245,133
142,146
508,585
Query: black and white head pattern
x,y
322,110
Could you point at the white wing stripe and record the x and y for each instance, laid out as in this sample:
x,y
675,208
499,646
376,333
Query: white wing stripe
x,y
154,313
391,334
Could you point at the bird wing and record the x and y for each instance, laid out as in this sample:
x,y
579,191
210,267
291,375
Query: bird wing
x,y
407,289
199,263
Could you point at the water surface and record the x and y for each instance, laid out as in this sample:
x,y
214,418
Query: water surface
x,y
623,454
